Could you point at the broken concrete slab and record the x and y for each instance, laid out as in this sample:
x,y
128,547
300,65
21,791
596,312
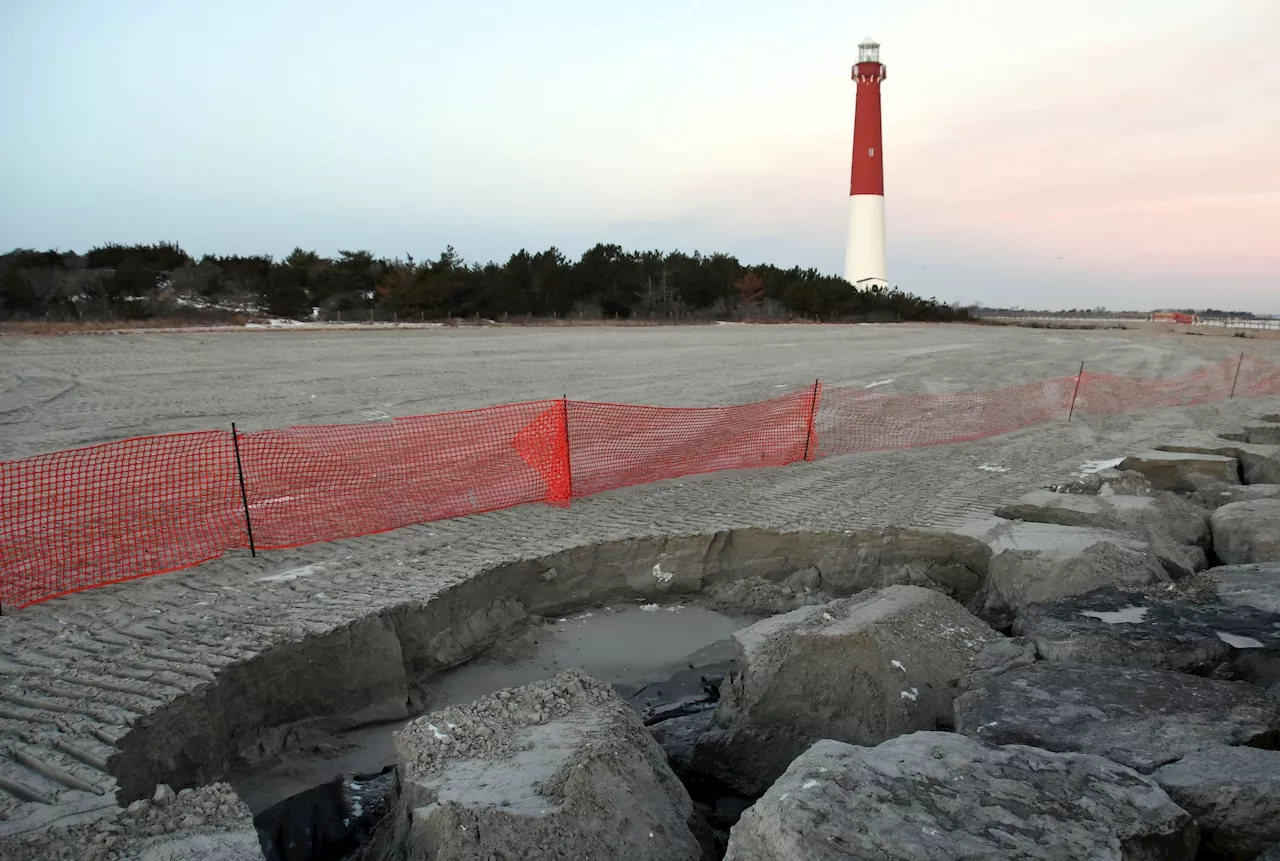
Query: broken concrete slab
x,y
679,738
1234,795
1138,717
1177,530
1181,471
1248,585
1262,434
1133,628
1036,562
561,768
861,669
932,795
1139,515
1215,495
1259,464
1247,532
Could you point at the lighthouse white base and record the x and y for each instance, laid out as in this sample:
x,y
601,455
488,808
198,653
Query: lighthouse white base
x,y
864,263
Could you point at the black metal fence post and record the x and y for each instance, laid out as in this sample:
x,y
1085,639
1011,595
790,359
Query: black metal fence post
x,y
1232,396
1074,394
244,494
813,409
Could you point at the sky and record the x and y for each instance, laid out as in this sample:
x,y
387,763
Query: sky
x,y
1039,154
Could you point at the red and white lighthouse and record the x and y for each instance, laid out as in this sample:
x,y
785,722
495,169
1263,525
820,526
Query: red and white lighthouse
x,y
864,264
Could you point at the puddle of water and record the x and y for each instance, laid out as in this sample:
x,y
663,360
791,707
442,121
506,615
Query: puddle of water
x,y
649,656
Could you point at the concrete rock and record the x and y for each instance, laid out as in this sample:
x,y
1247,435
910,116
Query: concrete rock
x,y
1234,795
1140,718
1126,482
1139,515
558,769
679,738
1181,471
1259,464
1036,562
1176,529
1246,532
1247,585
1216,495
861,669
931,796
1131,628
1262,434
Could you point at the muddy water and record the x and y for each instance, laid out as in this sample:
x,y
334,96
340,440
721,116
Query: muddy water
x,y
652,654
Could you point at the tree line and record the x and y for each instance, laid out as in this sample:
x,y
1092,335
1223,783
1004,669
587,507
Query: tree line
x,y
121,282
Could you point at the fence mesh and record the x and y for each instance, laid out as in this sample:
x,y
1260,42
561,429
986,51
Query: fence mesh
x,y
309,484
618,445
856,420
76,519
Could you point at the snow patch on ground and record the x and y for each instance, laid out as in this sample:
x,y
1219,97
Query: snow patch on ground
x,y
878,383
660,575
292,574
1238,641
1089,467
986,467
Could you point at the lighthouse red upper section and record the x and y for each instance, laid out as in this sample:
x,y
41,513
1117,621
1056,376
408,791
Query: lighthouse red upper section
x,y
868,151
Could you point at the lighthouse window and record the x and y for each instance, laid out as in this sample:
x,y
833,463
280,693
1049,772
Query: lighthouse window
x,y
872,152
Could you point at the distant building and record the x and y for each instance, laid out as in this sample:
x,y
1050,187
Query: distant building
x,y
1173,317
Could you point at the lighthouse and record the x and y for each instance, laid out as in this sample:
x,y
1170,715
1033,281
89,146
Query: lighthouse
x,y
864,264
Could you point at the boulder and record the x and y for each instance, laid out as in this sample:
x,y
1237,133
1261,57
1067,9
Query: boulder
x,y
561,768
1262,434
1140,718
1245,532
679,738
1182,471
1272,854
861,669
1216,495
1036,562
1247,585
1159,630
1176,529
1126,482
1259,464
931,796
1234,795
1139,515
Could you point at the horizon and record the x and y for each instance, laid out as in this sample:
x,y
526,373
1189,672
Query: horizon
x,y
1085,157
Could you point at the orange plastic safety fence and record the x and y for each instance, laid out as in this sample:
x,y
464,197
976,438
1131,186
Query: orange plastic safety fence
x,y
617,445
87,517
1257,378
309,484
856,420
1109,393
76,519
